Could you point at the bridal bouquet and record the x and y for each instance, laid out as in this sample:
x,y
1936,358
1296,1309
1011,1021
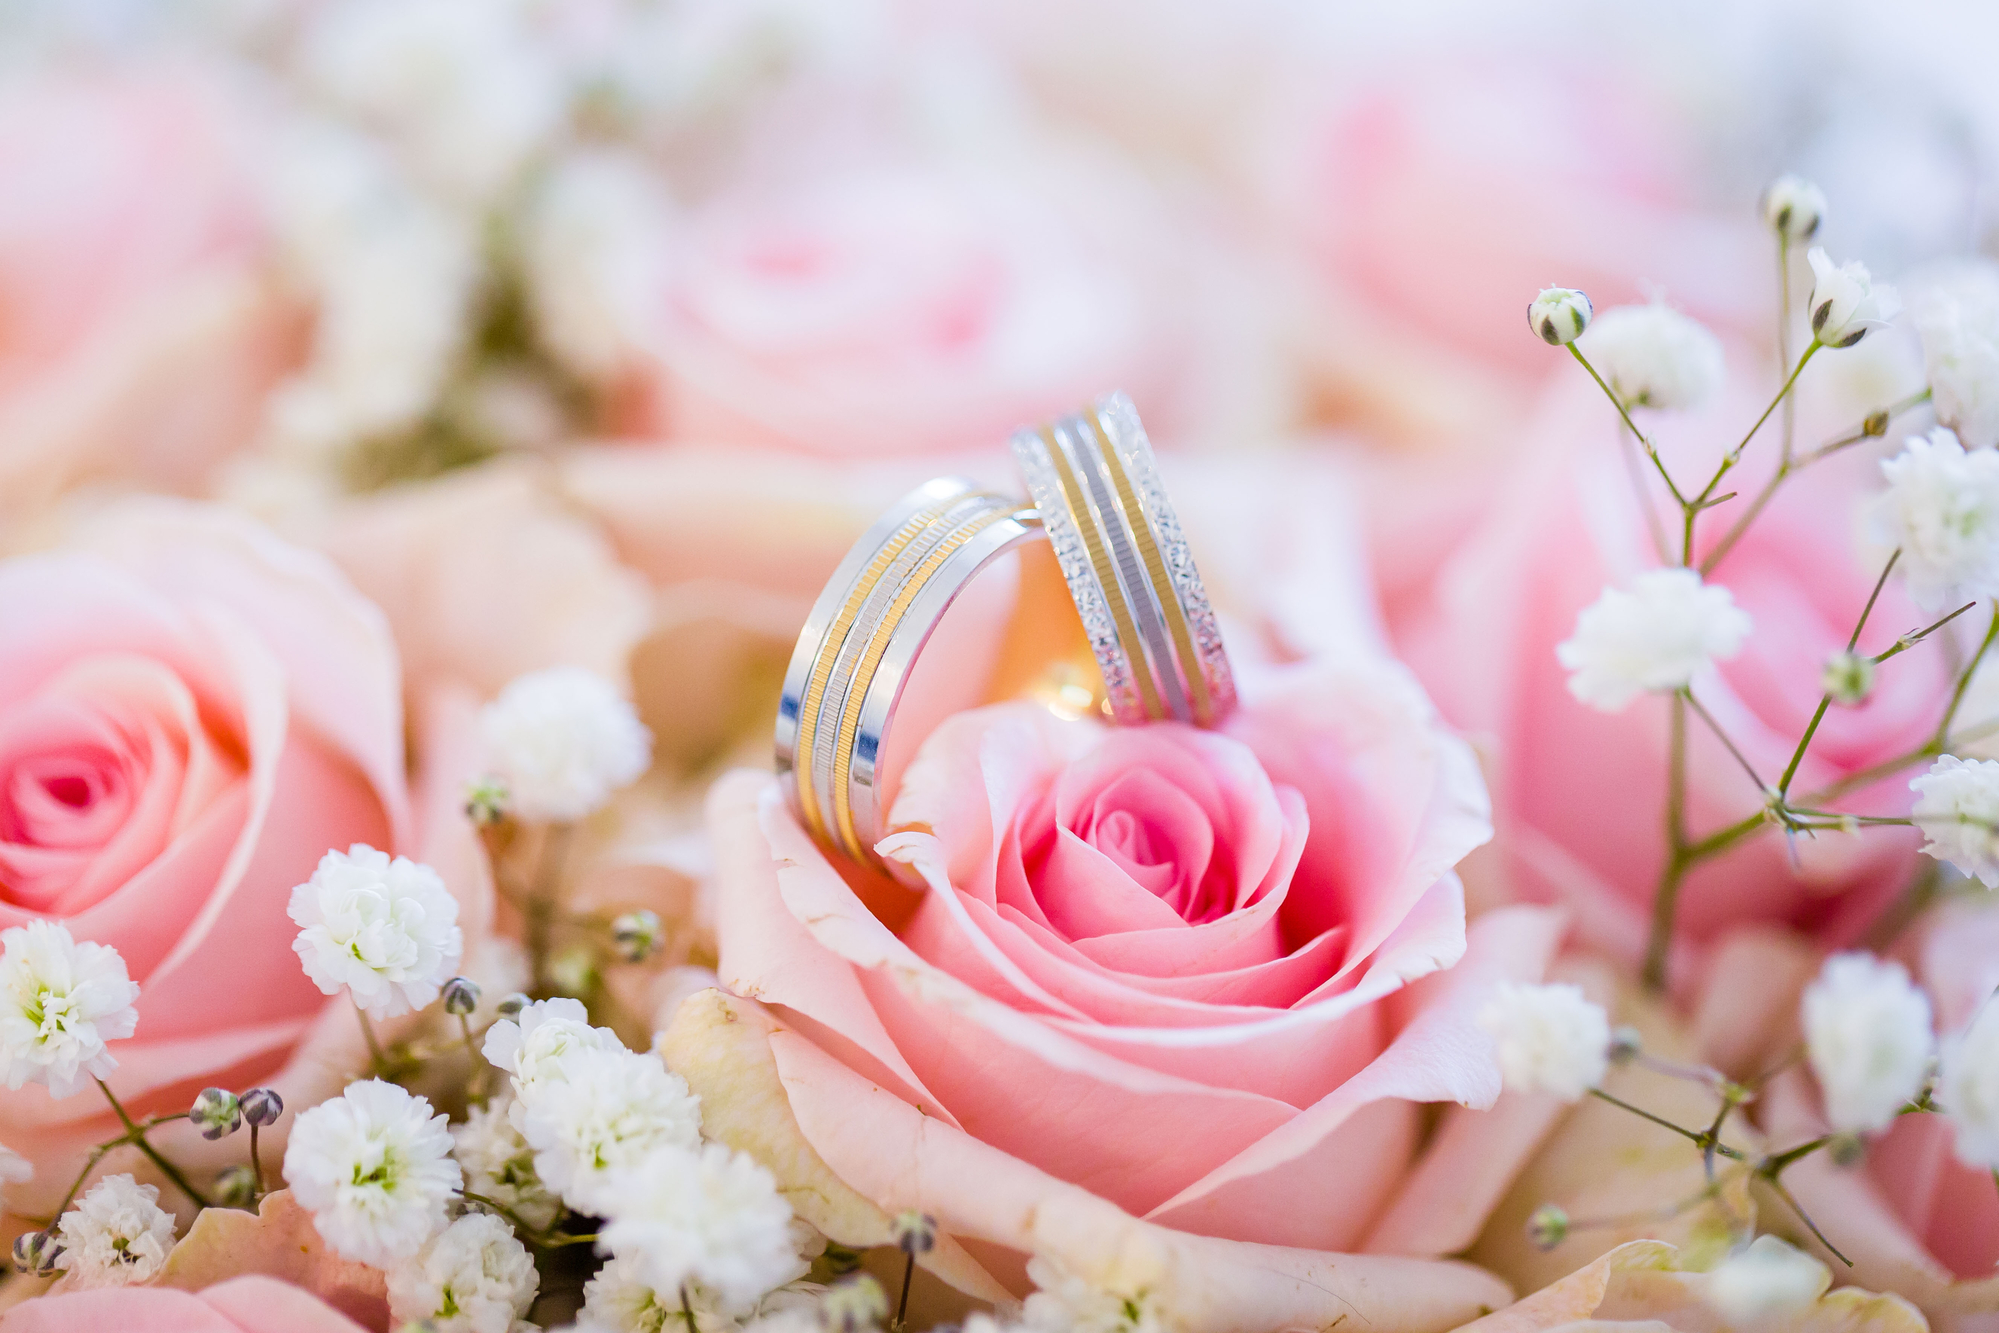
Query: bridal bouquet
x,y
1510,858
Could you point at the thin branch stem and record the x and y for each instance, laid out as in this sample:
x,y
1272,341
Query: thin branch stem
x,y
1692,1135
1644,442
1964,681
1784,333
136,1135
1665,897
540,909
1908,641
1654,525
1806,1218
378,1063
256,1160
902,1305
1825,700
1722,736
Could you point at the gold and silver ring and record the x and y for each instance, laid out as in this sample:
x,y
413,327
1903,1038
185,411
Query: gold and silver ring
x,y
1097,498
1128,565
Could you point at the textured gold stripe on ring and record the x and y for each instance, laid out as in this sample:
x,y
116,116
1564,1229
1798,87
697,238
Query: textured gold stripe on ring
x,y
864,673
1165,593
829,651
1107,579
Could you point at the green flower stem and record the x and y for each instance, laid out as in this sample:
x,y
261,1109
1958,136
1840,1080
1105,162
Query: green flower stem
x,y
1644,442
1665,899
136,1135
378,1064
540,907
1699,1138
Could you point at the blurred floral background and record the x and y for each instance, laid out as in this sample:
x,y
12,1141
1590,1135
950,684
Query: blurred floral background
x,y
593,332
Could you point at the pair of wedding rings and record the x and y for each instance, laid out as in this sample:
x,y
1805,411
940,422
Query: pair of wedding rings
x,y
1097,499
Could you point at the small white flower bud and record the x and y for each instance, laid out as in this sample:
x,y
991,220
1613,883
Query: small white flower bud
x,y
511,1006
914,1232
1548,1227
1847,1150
1794,208
36,1252
1559,315
236,1186
854,1304
636,934
461,996
216,1113
262,1107
1848,677
1846,301
1626,1044
1765,1279
485,801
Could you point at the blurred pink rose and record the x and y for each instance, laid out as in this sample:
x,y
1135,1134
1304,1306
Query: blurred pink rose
x,y
897,309
1248,945
139,336
1434,198
191,713
240,1305
1579,794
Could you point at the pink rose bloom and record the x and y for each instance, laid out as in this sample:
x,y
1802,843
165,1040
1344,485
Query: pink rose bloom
x,y
1579,794
191,714
883,310
1206,976
139,336
241,1305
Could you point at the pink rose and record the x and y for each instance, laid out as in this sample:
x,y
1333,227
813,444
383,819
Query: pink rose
x,y
1207,977
897,309
1579,794
191,713
240,1305
140,337
1434,197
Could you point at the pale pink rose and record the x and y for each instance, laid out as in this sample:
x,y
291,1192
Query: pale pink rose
x,y
1207,977
1579,794
899,309
1432,198
191,714
240,1305
140,335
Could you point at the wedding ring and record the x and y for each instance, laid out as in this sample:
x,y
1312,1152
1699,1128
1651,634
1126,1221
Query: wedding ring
x,y
1127,565
865,631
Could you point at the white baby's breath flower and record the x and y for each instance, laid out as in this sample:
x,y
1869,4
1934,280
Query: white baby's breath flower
x,y
391,277
1867,1032
1654,356
619,1300
537,1043
1766,1279
594,252
1941,509
563,739
117,1234
1548,1038
1654,636
1794,208
385,930
1957,317
1559,315
60,1002
610,1111
1846,301
499,1164
709,1215
1067,1303
472,1277
373,1166
1968,1089
1957,809
457,84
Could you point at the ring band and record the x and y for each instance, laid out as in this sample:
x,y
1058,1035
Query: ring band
x,y
865,631
1128,566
